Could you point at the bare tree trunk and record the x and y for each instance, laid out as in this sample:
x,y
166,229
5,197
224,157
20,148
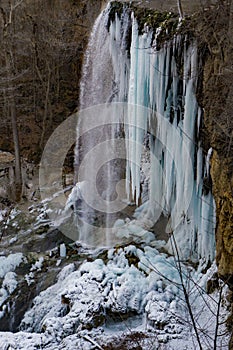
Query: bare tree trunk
x,y
186,294
180,9
46,106
18,172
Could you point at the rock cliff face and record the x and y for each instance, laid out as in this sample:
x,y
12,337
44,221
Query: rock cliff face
x,y
222,189
218,131
218,127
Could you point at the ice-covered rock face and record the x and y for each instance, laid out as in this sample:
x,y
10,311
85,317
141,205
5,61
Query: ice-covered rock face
x,y
133,288
83,299
161,119
131,294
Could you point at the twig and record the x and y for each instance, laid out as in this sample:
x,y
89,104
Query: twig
x,y
86,337
217,319
186,296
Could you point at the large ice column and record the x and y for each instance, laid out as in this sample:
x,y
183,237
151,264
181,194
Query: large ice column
x,y
137,117
173,122
118,32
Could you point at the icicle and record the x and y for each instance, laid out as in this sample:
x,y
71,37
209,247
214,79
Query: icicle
x,y
62,250
209,154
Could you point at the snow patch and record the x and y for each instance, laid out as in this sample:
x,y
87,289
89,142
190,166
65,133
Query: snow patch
x,y
10,263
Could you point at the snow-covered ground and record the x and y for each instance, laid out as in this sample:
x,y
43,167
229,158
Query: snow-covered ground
x,y
129,297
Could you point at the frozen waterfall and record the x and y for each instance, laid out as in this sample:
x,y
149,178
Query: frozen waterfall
x,y
142,119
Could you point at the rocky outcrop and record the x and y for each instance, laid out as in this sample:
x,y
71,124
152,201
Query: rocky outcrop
x,y
222,190
218,126
217,94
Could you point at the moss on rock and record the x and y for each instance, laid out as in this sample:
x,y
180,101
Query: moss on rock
x,y
152,19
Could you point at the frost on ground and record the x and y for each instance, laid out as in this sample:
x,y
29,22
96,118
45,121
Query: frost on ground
x,y
131,297
9,263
